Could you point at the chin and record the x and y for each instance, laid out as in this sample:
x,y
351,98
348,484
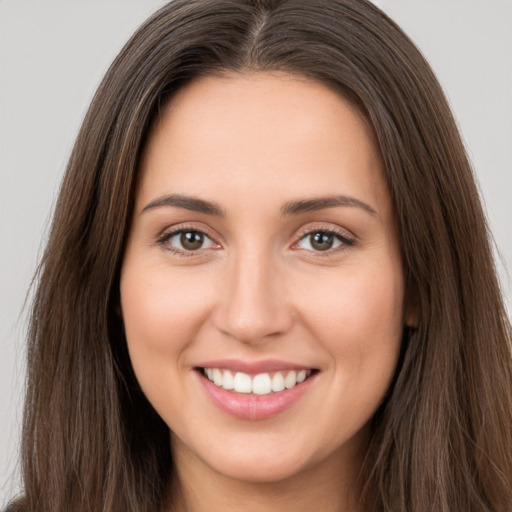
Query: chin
x,y
259,459
262,471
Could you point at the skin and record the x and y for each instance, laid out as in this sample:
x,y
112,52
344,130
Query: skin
x,y
258,289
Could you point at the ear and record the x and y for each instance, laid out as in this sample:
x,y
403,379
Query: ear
x,y
412,309
117,305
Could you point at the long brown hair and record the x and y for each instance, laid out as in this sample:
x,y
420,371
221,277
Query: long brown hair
x,y
442,440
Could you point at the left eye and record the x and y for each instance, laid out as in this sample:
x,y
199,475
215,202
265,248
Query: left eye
x,y
321,241
189,240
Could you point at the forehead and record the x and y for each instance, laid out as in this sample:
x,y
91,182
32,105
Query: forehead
x,y
261,132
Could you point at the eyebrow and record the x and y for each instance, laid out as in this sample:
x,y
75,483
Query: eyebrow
x,y
188,203
290,208
320,203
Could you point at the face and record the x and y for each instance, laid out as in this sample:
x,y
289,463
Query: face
x,y
262,288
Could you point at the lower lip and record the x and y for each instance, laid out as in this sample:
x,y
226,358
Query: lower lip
x,y
254,407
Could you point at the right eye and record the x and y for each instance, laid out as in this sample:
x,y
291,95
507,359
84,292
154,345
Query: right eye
x,y
186,241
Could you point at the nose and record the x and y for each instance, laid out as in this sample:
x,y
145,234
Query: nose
x,y
253,305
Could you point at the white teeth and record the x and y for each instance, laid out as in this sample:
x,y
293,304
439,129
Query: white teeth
x,y
242,383
217,377
261,384
290,380
278,382
228,381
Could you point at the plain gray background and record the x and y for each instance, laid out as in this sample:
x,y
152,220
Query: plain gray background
x,y
53,54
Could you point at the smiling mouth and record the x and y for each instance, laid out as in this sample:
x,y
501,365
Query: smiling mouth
x,y
261,384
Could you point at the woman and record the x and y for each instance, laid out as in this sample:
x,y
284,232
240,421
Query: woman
x,y
268,282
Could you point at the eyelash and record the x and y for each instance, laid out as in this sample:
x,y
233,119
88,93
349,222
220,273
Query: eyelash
x,y
345,240
167,236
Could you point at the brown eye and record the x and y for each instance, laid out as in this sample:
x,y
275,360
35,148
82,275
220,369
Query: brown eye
x,y
321,241
191,240
324,241
187,241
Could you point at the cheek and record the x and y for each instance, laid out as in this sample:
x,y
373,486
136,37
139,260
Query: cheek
x,y
357,318
160,309
162,314
360,302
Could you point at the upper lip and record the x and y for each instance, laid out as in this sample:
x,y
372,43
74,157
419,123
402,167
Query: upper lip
x,y
253,367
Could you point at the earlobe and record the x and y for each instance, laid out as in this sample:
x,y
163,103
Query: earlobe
x,y
412,310
118,309
411,319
